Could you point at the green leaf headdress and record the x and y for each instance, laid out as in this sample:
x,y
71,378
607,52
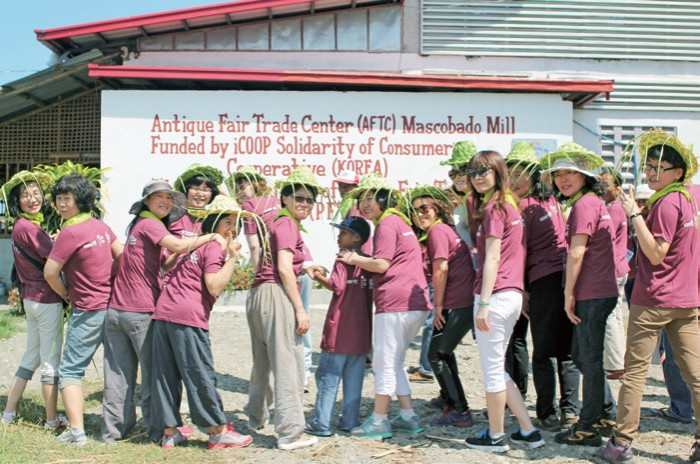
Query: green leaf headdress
x,y
656,137
247,173
213,174
572,156
43,180
462,152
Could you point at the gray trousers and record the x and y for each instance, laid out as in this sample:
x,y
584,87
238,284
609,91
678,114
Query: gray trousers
x,y
182,354
127,343
277,349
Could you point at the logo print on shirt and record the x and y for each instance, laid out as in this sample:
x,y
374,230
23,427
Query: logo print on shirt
x,y
194,258
131,240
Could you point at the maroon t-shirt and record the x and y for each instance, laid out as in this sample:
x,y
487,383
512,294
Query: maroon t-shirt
x,y
37,245
348,326
284,235
590,217
506,224
674,282
619,220
444,243
266,207
85,250
186,226
546,244
403,286
137,284
185,299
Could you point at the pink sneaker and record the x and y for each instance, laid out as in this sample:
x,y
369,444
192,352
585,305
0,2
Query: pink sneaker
x,y
229,438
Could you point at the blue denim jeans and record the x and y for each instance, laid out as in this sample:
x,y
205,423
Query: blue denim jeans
x,y
332,368
305,284
424,363
587,353
681,402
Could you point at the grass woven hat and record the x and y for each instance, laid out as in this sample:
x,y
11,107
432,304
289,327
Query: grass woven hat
x,y
373,182
462,152
573,157
423,191
213,174
248,173
44,181
301,176
523,154
657,137
223,205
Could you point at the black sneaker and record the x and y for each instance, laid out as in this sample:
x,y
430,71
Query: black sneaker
x,y
532,440
576,435
604,427
484,441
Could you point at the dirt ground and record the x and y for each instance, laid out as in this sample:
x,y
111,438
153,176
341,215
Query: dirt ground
x,y
658,440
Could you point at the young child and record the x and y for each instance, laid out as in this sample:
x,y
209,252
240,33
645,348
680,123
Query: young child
x,y
346,338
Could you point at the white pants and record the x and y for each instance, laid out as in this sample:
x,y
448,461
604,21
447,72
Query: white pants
x,y
393,332
615,338
44,341
504,311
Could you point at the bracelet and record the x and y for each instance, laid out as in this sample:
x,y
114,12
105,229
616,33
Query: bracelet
x,y
483,303
632,216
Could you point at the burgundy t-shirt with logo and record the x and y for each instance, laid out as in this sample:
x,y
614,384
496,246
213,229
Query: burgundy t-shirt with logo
x,y
185,227
37,244
619,219
85,250
444,243
137,284
284,235
266,207
546,244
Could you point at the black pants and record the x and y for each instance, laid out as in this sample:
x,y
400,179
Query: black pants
x,y
517,357
552,334
442,358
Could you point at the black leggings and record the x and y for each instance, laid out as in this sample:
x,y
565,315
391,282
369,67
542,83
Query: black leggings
x,y
442,358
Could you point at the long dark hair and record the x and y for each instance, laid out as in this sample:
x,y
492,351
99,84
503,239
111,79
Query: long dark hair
x,y
165,220
540,190
495,161
13,200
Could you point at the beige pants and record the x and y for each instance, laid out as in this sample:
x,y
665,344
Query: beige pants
x,y
277,349
642,333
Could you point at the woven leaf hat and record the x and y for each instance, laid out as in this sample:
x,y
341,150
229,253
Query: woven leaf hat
x,y
656,137
302,176
430,191
572,156
223,205
248,173
44,181
523,154
462,152
211,173
373,182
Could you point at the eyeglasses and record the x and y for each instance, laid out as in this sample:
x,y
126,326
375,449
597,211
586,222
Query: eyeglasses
x,y
201,190
660,169
307,200
27,197
461,171
424,208
478,172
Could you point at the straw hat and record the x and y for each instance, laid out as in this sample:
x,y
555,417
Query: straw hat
x,y
247,173
302,176
656,137
24,177
572,156
223,205
462,152
522,153
373,181
211,173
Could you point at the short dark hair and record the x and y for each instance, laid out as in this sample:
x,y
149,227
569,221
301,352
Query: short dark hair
x,y
384,199
289,190
13,207
197,180
668,154
82,189
616,177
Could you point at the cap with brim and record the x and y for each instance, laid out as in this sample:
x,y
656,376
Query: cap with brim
x,y
462,152
523,154
642,192
347,177
301,176
373,182
24,177
572,156
656,137
211,173
247,173
355,224
179,199
223,205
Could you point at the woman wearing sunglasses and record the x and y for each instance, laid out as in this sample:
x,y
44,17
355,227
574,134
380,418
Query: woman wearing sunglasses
x,y
590,289
551,330
462,152
500,243
453,297
665,293
277,319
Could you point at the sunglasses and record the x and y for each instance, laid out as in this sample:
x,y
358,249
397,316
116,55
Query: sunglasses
x,y
478,172
424,208
461,171
307,200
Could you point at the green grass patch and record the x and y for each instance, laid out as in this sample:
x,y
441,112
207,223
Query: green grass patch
x,y
10,324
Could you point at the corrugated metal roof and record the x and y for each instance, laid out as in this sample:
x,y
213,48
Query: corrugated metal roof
x,y
117,32
44,88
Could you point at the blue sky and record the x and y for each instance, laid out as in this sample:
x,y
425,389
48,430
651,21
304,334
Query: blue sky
x,y
22,54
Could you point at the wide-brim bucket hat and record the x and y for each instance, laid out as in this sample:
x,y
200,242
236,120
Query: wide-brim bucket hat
x,y
44,181
462,152
211,173
573,157
179,199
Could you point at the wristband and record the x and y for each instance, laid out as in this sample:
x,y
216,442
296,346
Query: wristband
x,y
632,216
483,303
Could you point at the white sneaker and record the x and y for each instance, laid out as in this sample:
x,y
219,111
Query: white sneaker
x,y
301,442
77,439
60,423
9,417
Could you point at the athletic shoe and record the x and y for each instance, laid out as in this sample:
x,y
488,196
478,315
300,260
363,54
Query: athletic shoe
x,y
61,422
551,423
695,452
185,430
484,441
229,438
373,429
567,420
302,442
604,427
614,453
452,417
438,402
9,417
78,439
579,436
412,425
312,429
532,440
171,441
